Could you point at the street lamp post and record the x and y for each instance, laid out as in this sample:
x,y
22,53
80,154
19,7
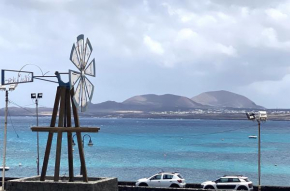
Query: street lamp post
x,y
259,155
261,116
33,96
4,88
89,144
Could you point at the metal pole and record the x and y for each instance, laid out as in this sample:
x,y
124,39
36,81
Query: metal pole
x,y
81,170
37,160
5,140
259,157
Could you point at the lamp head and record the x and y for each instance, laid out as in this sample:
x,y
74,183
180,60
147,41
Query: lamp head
x,y
262,115
12,87
251,116
39,95
90,143
3,87
33,95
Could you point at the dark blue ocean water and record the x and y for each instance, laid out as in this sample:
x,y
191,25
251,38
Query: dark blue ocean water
x,y
130,149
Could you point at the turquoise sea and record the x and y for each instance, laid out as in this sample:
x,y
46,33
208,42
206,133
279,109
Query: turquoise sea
x,y
130,149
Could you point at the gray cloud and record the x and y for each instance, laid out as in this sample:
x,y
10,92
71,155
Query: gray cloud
x,y
178,47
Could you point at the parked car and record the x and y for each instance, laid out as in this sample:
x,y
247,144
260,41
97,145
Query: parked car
x,y
235,182
163,179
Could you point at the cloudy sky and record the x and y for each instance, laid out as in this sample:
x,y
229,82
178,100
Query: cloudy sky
x,y
159,47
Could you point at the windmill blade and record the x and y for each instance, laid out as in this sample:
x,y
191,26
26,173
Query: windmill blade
x,y
87,53
74,77
89,89
74,57
83,97
90,70
80,49
77,95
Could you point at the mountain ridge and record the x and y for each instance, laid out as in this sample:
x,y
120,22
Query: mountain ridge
x,y
171,102
149,103
223,98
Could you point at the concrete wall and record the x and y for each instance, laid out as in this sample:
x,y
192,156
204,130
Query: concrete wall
x,y
33,184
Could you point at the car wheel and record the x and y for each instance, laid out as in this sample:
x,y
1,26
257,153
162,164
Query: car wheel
x,y
242,188
209,187
174,186
143,184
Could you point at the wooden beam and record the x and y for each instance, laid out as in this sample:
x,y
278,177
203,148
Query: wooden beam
x,y
70,157
75,110
79,139
55,107
66,129
57,156
61,118
82,156
62,108
50,135
69,137
46,157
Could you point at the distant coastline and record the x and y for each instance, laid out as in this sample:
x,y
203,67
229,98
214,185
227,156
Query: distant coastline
x,y
209,114
215,105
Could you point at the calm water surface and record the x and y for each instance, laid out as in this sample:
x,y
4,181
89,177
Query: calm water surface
x,y
135,148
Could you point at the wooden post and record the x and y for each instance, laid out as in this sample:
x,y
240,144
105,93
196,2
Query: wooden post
x,y
79,140
69,137
50,135
59,134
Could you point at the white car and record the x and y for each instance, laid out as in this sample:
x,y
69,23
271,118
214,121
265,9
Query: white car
x,y
163,179
235,182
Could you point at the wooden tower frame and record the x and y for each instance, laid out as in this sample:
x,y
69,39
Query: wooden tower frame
x,y
64,103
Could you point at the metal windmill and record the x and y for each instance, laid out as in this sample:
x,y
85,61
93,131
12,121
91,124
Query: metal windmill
x,y
66,99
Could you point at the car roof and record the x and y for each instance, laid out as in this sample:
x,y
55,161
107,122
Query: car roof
x,y
234,176
168,173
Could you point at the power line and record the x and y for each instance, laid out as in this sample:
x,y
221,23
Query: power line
x,y
28,105
218,132
20,106
12,124
195,135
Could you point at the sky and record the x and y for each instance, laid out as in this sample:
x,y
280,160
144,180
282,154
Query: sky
x,y
182,47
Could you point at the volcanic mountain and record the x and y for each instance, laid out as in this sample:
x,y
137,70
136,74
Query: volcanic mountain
x,y
224,99
167,102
